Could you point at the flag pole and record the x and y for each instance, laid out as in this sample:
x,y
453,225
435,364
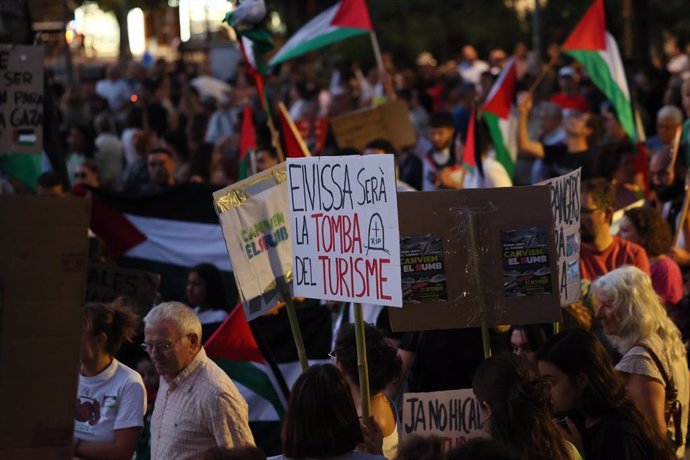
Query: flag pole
x,y
377,50
362,366
540,78
296,331
386,80
291,125
481,299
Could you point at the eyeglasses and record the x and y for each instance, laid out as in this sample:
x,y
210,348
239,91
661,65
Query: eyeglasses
x,y
331,355
161,346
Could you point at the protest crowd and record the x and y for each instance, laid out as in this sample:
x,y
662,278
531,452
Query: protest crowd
x,y
610,382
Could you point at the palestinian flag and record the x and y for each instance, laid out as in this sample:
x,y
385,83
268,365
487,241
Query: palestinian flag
x,y
293,143
25,167
234,348
499,117
590,44
345,19
469,154
247,142
166,232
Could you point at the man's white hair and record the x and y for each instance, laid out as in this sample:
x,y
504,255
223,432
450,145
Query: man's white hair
x,y
184,318
672,112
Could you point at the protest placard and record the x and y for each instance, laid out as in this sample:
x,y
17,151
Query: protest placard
x,y
21,99
388,121
451,415
565,205
254,216
346,242
106,282
508,269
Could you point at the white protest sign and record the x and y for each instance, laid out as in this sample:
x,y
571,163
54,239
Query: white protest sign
x,y
565,203
345,240
452,415
256,229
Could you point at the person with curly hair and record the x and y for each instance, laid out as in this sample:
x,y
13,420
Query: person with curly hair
x,y
514,408
654,362
646,227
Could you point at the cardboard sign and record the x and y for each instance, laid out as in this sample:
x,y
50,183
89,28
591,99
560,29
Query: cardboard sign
x,y
21,99
254,216
512,270
389,121
43,259
346,242
106,282
565,205
452,415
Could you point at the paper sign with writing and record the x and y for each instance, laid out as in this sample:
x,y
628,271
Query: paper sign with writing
x,y
21,99
344,215
565,204
452,415
254,217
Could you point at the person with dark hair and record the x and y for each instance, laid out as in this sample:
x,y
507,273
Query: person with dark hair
x,y
616,163
111,399
417,447
88,173
49,184
321,420
200,164
80,147
161,167
587,389
266,157
646,227
489,173
514,408
134,123
654,362
601,252
526,340
382,146
384,368
440,155
206,294
480,449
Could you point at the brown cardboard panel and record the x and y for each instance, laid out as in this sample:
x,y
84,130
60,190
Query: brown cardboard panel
x,y
389,121
446,213
106,282
43,254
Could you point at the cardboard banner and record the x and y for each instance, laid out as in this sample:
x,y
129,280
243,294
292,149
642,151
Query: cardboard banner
x,y
44,255
254,216
515,254
106,282
565,205
346,242
21,99
388,121
452,415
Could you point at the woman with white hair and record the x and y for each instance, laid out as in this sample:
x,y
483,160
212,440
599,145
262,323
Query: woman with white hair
x,y
654,359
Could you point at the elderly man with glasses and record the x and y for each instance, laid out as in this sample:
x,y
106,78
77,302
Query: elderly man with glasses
x,y
197,406
601,252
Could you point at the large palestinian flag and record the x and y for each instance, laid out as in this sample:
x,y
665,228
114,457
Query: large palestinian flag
x,y
345,19
596,49
165,232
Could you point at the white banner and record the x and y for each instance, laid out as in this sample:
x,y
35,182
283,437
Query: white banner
x,y
345,240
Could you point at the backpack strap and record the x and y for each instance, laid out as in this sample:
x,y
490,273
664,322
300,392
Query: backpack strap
x,y
664,375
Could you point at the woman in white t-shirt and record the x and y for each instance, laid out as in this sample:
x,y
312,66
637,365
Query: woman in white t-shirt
x,y
111,399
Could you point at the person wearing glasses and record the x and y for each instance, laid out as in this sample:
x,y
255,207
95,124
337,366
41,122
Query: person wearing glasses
x,y
600,251
111,399
197,406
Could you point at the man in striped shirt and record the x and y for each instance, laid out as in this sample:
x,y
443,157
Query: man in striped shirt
x,y
197,406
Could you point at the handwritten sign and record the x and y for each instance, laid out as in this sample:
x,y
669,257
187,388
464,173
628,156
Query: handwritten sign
x,y
565,204
346,242
452,415
256,227
106,282
21,99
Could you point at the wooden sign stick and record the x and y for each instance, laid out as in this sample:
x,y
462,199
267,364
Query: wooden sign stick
x,y
362,366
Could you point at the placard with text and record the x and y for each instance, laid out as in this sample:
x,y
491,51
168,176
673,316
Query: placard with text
x,y
345,236
21,99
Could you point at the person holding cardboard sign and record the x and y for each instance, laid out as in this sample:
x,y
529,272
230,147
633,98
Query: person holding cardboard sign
x,y
111,400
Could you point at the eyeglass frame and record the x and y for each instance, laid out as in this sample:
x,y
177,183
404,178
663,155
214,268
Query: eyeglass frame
x,y
161,346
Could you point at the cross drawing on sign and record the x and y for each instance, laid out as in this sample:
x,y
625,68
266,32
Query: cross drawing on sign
x,y
376,242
